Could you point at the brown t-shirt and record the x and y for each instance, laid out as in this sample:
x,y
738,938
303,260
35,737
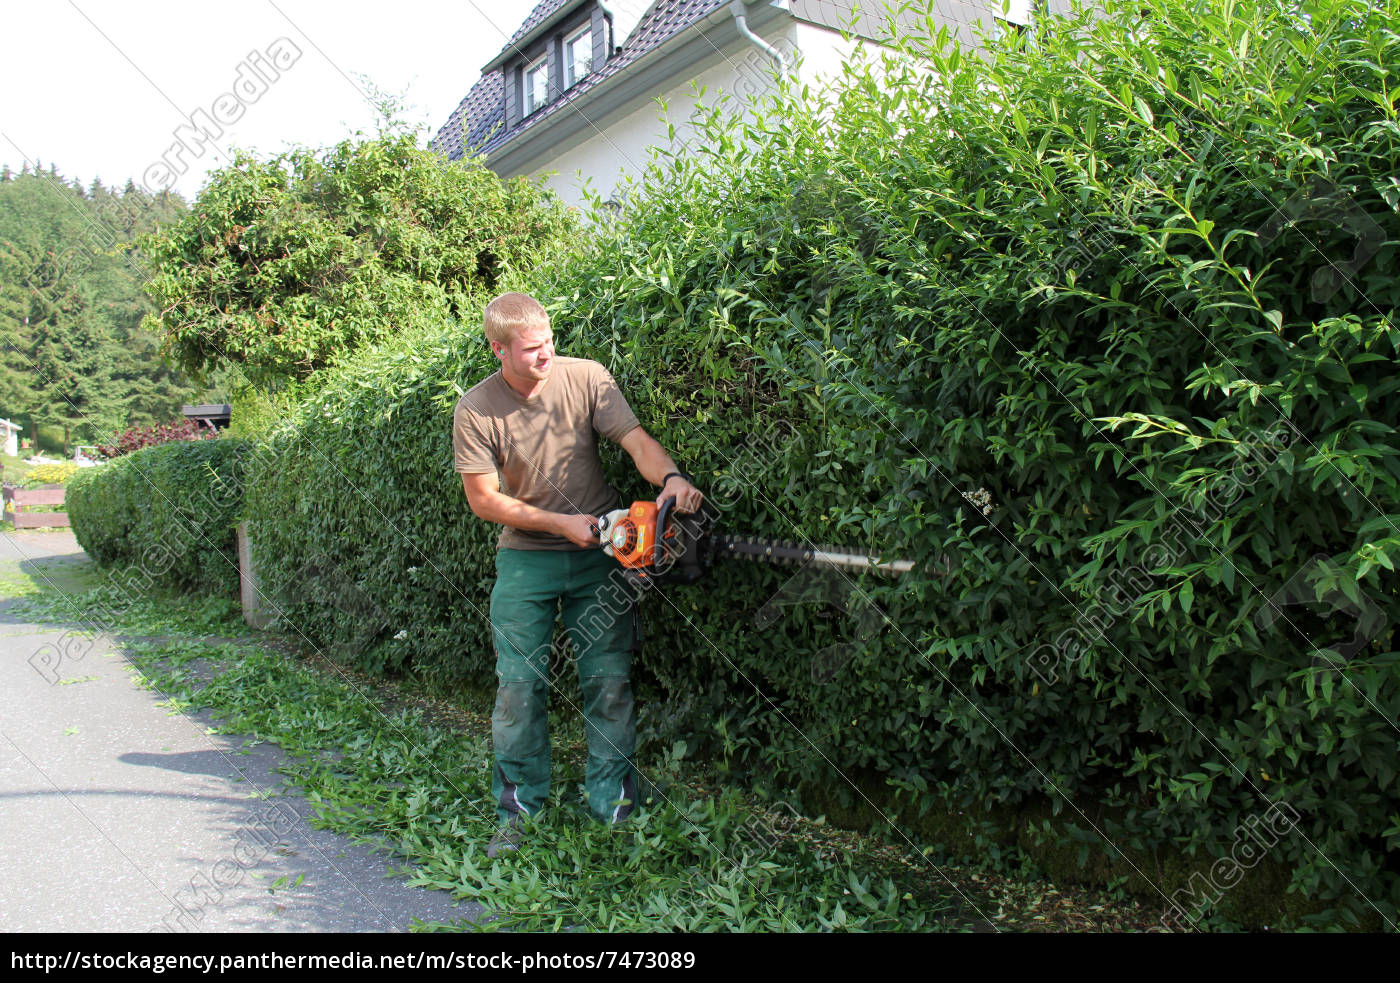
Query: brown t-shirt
x,y
544,450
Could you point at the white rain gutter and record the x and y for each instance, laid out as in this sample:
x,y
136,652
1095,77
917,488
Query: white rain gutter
x,y
741,21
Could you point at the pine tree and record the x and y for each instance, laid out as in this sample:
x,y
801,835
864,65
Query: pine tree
x,y
72,351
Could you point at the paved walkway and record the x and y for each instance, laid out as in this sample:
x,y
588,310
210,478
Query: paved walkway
x,y
116,815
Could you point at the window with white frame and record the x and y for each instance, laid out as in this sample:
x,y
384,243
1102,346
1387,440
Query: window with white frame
x,y
578,57
536,86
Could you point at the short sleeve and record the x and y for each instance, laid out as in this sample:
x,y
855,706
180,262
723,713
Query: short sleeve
x,y
612,417
471,450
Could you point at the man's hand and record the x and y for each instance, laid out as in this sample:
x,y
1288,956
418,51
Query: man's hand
x,y
688,497
581,530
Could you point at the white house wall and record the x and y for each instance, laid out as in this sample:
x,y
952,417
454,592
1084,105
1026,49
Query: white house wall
x,y
620,143
824,54
616,147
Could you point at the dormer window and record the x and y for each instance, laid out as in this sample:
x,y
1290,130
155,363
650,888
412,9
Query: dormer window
x,y
536,85
578,57
561,54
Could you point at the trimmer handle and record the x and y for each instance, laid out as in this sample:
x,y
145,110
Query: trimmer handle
x,y
663,515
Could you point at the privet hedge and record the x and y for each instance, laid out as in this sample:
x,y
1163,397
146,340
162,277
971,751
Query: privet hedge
x,y
357,533
169,510
1099,329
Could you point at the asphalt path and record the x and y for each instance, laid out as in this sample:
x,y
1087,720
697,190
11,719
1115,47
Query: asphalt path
x,y
117,815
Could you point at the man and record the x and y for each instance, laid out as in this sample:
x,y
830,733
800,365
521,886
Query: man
x,y
526,444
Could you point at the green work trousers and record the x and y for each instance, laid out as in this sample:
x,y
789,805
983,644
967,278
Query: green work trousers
x,y
586,589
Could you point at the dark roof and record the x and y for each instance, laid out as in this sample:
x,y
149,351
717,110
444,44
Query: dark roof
x,y
542,11
483,110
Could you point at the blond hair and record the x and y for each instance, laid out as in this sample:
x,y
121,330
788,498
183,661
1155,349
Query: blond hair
x,y
509,314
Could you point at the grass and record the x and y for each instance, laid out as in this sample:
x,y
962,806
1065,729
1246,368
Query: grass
x,y
52,584
15,467
394,777
384,764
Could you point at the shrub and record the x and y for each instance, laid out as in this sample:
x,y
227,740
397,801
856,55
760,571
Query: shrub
x,y
169,510
1100,329
48,437
284,265
255,410
135,438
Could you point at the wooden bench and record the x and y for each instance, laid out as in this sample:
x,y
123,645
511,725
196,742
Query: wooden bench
x,y
16,499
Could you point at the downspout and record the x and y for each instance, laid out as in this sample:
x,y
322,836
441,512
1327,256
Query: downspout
x,y
736,7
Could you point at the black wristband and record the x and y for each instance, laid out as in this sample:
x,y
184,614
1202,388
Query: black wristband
x,y
675,474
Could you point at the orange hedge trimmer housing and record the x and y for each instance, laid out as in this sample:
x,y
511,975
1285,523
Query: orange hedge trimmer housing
x,y
656,546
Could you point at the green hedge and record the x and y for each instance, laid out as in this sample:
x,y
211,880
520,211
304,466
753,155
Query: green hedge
x,y
358,524
168,510
1101,328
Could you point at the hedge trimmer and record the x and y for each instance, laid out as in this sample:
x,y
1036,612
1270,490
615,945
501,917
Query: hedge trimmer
x,y
655,546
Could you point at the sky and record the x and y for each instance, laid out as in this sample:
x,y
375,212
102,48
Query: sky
x,y
100,87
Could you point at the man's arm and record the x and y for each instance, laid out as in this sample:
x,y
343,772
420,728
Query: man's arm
x,y
484,496
654,464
